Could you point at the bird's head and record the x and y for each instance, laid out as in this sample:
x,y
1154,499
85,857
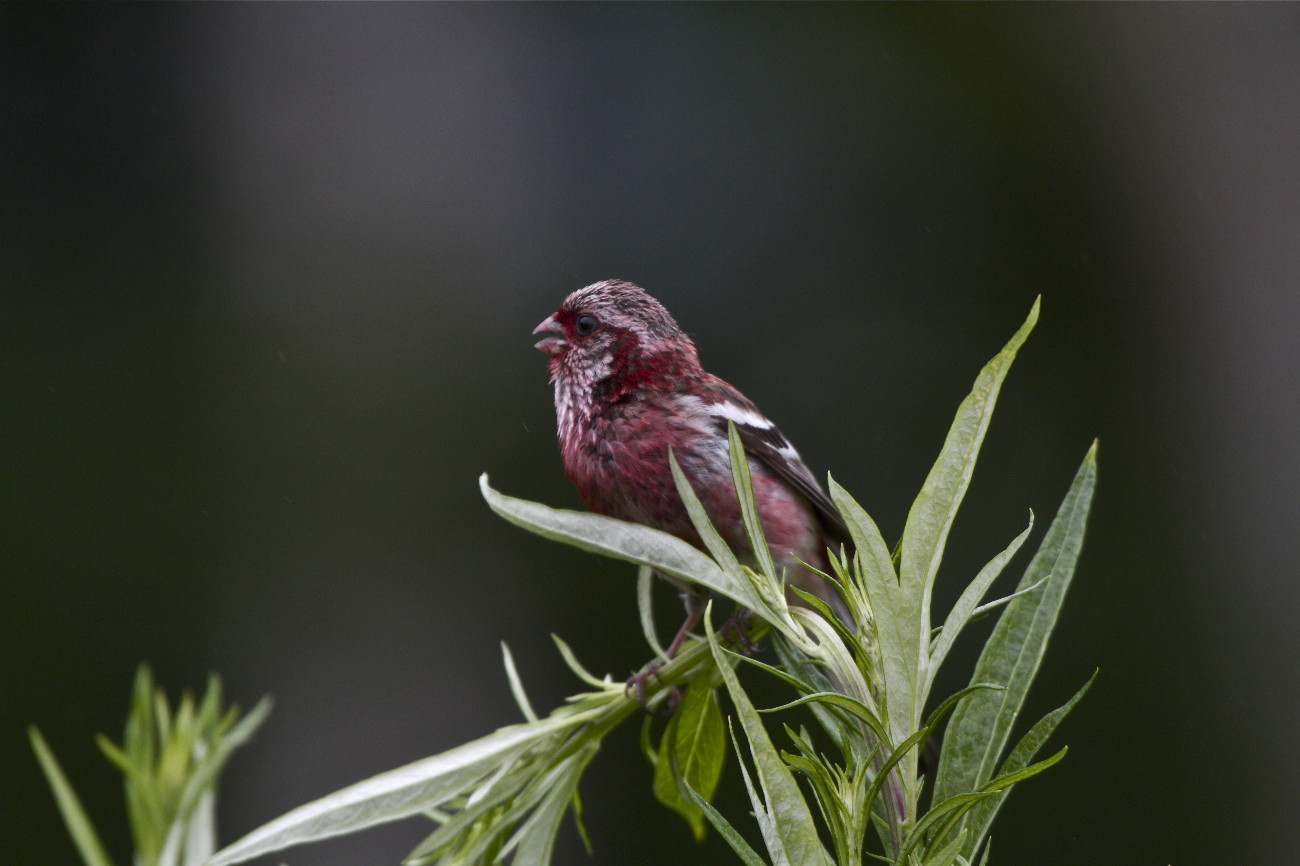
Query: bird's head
x,y
611,328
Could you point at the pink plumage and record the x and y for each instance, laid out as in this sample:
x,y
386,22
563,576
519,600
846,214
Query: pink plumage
x,y
628,386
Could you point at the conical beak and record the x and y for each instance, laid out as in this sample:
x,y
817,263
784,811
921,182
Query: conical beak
x,y
555,343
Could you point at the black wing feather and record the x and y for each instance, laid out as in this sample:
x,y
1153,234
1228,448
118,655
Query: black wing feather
x,y
766,444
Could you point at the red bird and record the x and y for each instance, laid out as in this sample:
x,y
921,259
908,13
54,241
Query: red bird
x,y
629,385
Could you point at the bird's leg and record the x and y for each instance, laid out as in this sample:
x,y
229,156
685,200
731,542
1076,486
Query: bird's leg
x,y
638,680
695,603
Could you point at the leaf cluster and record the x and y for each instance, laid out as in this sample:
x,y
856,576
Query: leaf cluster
x,y
870,683
171,761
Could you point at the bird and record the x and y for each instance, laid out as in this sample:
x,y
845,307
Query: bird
x,y
629,387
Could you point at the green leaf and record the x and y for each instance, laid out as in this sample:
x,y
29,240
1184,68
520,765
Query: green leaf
x,y
632,542
748,509
645,606
534,841
813,602
1006,780
854,708
951,701
1031,742
713,541
969,599
895,614
648,748
931,517
199,788
982,816
566,652
952,809
516,684
787,823
694,746
983,609
982,724
580,824
949,810
881,779
877,567
78,822
747,855
948,854
502,787
503,803
171,761
812,681
395,794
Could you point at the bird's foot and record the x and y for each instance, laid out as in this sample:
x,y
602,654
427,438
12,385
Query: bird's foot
x,y
638,682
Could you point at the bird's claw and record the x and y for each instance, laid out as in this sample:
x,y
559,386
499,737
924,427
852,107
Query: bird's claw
x,y
638,682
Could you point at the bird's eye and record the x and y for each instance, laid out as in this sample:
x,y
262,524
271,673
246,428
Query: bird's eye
x,y
585,324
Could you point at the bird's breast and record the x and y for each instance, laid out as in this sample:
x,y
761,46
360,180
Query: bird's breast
x,y
616,453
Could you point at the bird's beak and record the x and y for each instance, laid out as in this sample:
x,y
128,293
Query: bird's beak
x,y
554,344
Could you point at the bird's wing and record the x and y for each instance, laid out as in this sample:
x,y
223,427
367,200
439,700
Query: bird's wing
x,y
767,444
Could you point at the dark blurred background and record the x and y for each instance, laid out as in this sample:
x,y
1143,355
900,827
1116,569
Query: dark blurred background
x,y
268,278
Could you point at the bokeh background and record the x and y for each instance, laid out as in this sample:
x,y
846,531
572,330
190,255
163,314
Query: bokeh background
x,y
268,275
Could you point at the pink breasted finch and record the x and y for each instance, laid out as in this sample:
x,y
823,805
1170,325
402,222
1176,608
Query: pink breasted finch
x,y
629,386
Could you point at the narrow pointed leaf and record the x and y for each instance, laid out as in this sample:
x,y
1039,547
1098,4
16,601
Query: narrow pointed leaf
x,y
981,817
882,774
713,542
895,613
395,794
747,855
964,803
854,708
570,659
811,681
931,516
78,822
866,536
949,809
748,509
645,606
1015,777
1006,599
488,796
204,778
793,832
632,542
1031,742
952,700
948,854
764,666
516,684
982,724
534,841
970,598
